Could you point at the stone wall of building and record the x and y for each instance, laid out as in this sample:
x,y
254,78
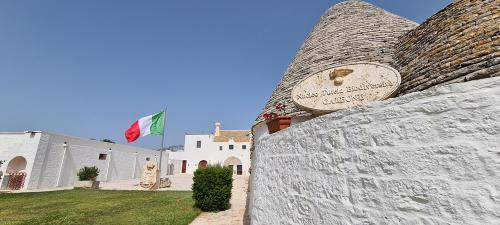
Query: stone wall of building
x,y
430,157
49,165
58,168
459,43
13,144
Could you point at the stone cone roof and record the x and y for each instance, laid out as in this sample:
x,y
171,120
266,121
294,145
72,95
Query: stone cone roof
x,y
351,31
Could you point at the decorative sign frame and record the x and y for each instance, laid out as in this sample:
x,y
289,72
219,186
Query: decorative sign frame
x,y
346,86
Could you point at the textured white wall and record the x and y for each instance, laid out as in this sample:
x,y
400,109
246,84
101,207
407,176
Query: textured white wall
x,y
423,158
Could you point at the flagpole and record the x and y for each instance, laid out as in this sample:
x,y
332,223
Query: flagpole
x,y
163,136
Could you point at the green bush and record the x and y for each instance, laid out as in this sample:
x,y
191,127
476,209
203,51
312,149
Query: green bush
x,y
88,173
212,188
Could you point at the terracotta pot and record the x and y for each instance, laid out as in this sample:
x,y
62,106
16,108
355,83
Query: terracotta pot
x,y
278,123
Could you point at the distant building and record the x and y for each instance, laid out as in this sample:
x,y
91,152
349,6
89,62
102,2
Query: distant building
x,y
175,148
225,147
41,160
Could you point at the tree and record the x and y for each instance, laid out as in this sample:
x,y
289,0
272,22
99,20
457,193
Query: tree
x,y
108,141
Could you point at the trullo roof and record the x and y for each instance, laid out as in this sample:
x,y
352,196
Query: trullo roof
x,y
351,31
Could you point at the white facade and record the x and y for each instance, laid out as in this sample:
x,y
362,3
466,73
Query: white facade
x,y
53,160
201,148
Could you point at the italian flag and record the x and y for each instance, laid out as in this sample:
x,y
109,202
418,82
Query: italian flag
x,y
152,124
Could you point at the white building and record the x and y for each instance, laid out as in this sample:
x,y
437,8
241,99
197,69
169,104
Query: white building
x,y
226,147
40,160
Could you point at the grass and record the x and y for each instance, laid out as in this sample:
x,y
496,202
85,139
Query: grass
x,y
97,207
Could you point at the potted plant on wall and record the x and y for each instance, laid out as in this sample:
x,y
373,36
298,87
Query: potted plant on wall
x,y
87,178
277,121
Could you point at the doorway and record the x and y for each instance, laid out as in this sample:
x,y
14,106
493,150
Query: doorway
x,y
233,162
239,169
16,172
184,165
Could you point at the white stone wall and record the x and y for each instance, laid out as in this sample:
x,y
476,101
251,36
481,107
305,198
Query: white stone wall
x,y
210,152
49,165
13,144
122,162
175,166
431,157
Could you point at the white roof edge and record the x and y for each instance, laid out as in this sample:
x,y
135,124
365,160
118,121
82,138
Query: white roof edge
x,y
234,130
106,143
19,132
80,138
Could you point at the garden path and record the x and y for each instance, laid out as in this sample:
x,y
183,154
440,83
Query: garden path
x,y
233,216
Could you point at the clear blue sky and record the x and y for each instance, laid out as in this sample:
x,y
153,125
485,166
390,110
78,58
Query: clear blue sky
x,y
90,68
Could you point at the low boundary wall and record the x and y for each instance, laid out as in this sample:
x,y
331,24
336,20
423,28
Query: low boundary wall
x,y
430,157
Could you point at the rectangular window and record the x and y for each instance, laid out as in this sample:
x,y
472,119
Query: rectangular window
x,y
103,156
244,147
220,148
198,144
231,147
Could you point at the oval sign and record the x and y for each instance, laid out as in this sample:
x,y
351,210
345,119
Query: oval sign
x,y
346,86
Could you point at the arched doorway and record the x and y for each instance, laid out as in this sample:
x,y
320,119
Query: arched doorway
x,y
202,164
233,162
16,165
16,170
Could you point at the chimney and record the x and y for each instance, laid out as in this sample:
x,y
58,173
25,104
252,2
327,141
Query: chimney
x,y
217,129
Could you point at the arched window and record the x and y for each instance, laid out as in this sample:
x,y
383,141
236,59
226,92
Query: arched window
x,y
202,164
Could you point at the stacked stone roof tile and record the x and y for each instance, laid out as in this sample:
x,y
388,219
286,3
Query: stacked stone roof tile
x,y
457,44
235,135
351,31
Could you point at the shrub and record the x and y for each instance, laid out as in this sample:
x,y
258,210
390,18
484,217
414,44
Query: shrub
x,y
212,187
88,173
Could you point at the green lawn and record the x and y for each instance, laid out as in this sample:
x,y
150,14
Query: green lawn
x,y
97,207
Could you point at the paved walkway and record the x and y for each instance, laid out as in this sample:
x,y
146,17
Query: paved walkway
x,y
233,216
179,183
